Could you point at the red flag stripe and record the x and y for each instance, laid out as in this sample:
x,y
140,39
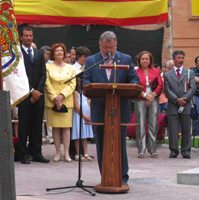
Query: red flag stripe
x,y
38,19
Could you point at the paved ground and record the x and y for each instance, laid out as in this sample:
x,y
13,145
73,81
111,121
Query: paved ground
x,y
150,178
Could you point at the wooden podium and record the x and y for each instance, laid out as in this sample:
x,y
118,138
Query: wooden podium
x,y
111,180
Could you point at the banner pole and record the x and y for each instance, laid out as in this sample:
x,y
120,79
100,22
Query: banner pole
x,y
1,79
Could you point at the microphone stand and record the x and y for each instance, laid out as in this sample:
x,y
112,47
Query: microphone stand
x,y
79,181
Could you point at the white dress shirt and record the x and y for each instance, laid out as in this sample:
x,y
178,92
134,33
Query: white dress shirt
x,y
26,50
77,67
181,68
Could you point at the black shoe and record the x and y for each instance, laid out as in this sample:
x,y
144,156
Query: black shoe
x,y
187,157
125,183
30,157
40,158
172,156
25,159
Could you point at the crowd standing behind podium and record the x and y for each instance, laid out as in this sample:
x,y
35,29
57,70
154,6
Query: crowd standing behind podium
x,y
62,65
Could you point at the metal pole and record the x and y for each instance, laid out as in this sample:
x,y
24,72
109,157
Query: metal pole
x,y
1,79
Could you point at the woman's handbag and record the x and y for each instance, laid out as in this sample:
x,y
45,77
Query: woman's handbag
x,y
63,109
194,111
154,84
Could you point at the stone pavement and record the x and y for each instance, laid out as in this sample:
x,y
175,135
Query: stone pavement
x,y
150,178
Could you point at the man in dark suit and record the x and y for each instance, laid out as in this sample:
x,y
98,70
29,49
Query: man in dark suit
x,y
32,108
196,95
108,45
179,96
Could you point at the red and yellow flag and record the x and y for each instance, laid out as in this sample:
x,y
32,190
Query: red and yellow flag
x,y
103,12
13,70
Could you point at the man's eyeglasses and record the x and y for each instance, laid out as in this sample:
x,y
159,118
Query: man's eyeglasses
x,y
111,48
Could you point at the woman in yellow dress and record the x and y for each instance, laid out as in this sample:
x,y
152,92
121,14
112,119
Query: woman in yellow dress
x,y
58,93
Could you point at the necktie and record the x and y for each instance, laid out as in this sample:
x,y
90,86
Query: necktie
x,y
178,73
108,71
30,54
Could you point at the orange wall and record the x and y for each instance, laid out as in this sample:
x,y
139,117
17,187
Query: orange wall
x,y
185,31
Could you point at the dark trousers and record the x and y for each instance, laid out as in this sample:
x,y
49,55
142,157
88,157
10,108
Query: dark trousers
x,y
99,136
174,124
195,122
30,124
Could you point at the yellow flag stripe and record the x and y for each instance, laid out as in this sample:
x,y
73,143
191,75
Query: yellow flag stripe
x,y
195,7
91,8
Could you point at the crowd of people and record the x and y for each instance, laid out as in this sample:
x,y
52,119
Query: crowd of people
x,y
49,68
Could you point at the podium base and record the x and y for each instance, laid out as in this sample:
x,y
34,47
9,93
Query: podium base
x,y
105,189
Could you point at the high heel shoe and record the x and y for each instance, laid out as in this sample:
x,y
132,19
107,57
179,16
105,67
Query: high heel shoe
x,y
69,160
81,157
57,159
88,158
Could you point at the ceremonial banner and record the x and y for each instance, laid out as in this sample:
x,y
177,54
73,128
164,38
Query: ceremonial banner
x,y
13,70
103,12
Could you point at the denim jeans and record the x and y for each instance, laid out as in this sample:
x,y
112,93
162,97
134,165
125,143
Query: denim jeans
x,y
163,106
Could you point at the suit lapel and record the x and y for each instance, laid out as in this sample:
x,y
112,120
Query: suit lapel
x,y
26,56
102,71
183,74
35,54
174,75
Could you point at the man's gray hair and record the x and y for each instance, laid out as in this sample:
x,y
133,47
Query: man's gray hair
x,y
177,52
108,36
45,48
166,65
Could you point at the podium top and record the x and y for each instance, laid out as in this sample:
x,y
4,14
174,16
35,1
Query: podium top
x,y
98,90
114,66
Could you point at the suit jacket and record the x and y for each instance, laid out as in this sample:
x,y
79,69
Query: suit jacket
x,y
175,88
153,75
96,75
36,72
55,85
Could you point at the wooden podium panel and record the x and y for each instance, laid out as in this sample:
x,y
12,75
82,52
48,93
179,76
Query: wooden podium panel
x,y
111,180
98,90
112,164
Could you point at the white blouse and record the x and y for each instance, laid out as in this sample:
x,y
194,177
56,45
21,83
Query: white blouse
x,y
148,87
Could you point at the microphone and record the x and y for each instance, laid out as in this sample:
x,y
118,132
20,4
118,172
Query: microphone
x,y
109,54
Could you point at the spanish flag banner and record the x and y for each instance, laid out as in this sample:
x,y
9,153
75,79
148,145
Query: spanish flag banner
x,y
102,12
13,70
195,6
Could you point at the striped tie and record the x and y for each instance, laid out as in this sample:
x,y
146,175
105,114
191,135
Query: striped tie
x,y
108,71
